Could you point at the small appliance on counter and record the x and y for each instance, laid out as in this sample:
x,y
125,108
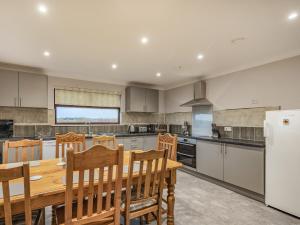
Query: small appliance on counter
x,y
185,130
143,129
6,128
131,128
215,131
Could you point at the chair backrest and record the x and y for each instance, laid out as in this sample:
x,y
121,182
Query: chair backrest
x,y
94,160
150,168
167,141
108,141
11,174
69,140
23,150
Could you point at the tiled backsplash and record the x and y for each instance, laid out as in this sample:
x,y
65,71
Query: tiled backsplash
x,y
245,133
246,123
50,131
24,115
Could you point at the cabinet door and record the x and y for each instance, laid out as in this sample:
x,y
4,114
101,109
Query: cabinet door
x,y
135,99
244,167
209,159
88,142
8,88
137,143
150,142
151,100
49,148
33,90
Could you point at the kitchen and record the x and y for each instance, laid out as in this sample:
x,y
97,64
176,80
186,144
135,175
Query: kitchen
x,y
231,120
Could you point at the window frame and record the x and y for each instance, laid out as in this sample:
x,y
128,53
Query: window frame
x,y
80,106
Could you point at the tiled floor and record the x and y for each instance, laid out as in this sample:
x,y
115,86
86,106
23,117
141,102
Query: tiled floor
x,y
201,202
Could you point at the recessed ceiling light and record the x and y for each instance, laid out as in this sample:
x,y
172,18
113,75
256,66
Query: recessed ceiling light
x,y
114,66
200,56
158,74
144,40
293,16
46,53
42,8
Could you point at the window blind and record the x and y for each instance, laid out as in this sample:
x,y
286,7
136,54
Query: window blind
x,y
87,98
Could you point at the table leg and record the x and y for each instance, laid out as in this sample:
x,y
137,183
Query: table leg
x,y
171,197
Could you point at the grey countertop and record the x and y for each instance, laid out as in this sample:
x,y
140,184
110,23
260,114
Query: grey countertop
x,y
87,136
249,143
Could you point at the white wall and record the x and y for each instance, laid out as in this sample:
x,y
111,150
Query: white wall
x,y
177,96
273,84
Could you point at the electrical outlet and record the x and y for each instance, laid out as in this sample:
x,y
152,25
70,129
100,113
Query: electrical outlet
x,y
227,128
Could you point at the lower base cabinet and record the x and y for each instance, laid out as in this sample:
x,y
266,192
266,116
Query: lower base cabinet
x,y
209,159
239,165
244,167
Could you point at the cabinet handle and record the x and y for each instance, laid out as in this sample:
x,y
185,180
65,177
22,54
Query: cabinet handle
x,y
225,149
15,101
20,102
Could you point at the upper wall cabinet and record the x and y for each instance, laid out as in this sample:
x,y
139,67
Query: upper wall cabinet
x,y
23,89
33,91
141,99
8,88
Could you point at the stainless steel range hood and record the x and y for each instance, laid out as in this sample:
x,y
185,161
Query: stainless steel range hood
x,y
199,95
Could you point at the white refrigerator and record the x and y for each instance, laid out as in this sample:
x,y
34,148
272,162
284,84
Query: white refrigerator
x,y
282,187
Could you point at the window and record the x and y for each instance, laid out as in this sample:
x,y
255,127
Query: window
x,y
82,114
79,106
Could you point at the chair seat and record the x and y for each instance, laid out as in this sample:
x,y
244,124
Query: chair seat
x,y
60,213
20,218
140,205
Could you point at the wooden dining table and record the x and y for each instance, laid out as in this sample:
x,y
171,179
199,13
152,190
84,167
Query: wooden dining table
x,y
50,189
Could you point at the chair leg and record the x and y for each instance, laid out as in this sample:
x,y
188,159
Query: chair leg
x,y
159,216
141,220
147,217
127,220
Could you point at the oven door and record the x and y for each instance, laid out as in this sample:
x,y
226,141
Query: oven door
x,y
186,154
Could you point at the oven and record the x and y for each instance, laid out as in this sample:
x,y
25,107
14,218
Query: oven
x,y
6,128
186,152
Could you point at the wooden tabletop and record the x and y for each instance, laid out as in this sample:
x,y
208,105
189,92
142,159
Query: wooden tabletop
x,y
49,190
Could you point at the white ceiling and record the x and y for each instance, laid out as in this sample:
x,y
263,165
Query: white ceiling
x,y
86,37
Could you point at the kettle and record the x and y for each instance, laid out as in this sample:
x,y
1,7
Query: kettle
x,y
131,129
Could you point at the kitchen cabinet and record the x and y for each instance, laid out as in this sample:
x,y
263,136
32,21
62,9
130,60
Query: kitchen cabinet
x,y
141,99
133,143
150,142
49,148
8,88
151,100
33,90
209,159
244,167
239,165
23,89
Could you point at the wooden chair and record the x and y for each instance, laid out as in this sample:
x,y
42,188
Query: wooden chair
x,y
146,196
108,141
88,209
167,141
29,217
27,148
69,140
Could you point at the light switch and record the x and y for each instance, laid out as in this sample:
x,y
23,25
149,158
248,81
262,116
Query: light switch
x,y
227,128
